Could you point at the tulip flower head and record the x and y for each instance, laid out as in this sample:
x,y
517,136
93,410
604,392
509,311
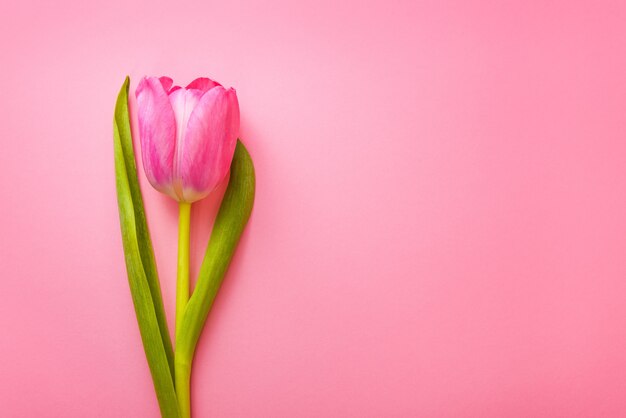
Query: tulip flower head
x,y
188,135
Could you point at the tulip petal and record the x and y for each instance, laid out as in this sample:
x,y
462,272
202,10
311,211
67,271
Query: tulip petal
x,y
209,143
166,82
183,102
157,129
204,84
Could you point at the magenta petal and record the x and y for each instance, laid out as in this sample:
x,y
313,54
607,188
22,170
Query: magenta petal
x,y
166,82
204,84
157,131
209,143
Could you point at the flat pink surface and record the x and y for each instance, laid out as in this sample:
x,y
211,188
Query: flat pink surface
x,y
440,221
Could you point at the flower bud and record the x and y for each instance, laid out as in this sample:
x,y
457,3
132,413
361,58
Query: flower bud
x,y
188,135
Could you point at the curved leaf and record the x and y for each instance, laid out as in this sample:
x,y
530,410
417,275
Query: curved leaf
x,y
140,264
229,225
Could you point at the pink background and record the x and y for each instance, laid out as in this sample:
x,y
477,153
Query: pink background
x,y
440,222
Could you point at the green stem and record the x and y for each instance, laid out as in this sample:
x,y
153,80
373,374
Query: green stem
x,y
182,279
182,382
182,369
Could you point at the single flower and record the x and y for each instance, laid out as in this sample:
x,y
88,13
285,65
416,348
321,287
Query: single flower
x,y
188,135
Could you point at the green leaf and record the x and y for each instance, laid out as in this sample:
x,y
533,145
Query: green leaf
x,y
140,264
231,219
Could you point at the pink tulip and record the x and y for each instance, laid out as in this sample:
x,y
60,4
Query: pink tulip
x,y
188,135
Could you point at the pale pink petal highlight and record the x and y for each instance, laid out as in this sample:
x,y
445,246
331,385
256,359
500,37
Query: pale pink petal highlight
x,y
183,102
